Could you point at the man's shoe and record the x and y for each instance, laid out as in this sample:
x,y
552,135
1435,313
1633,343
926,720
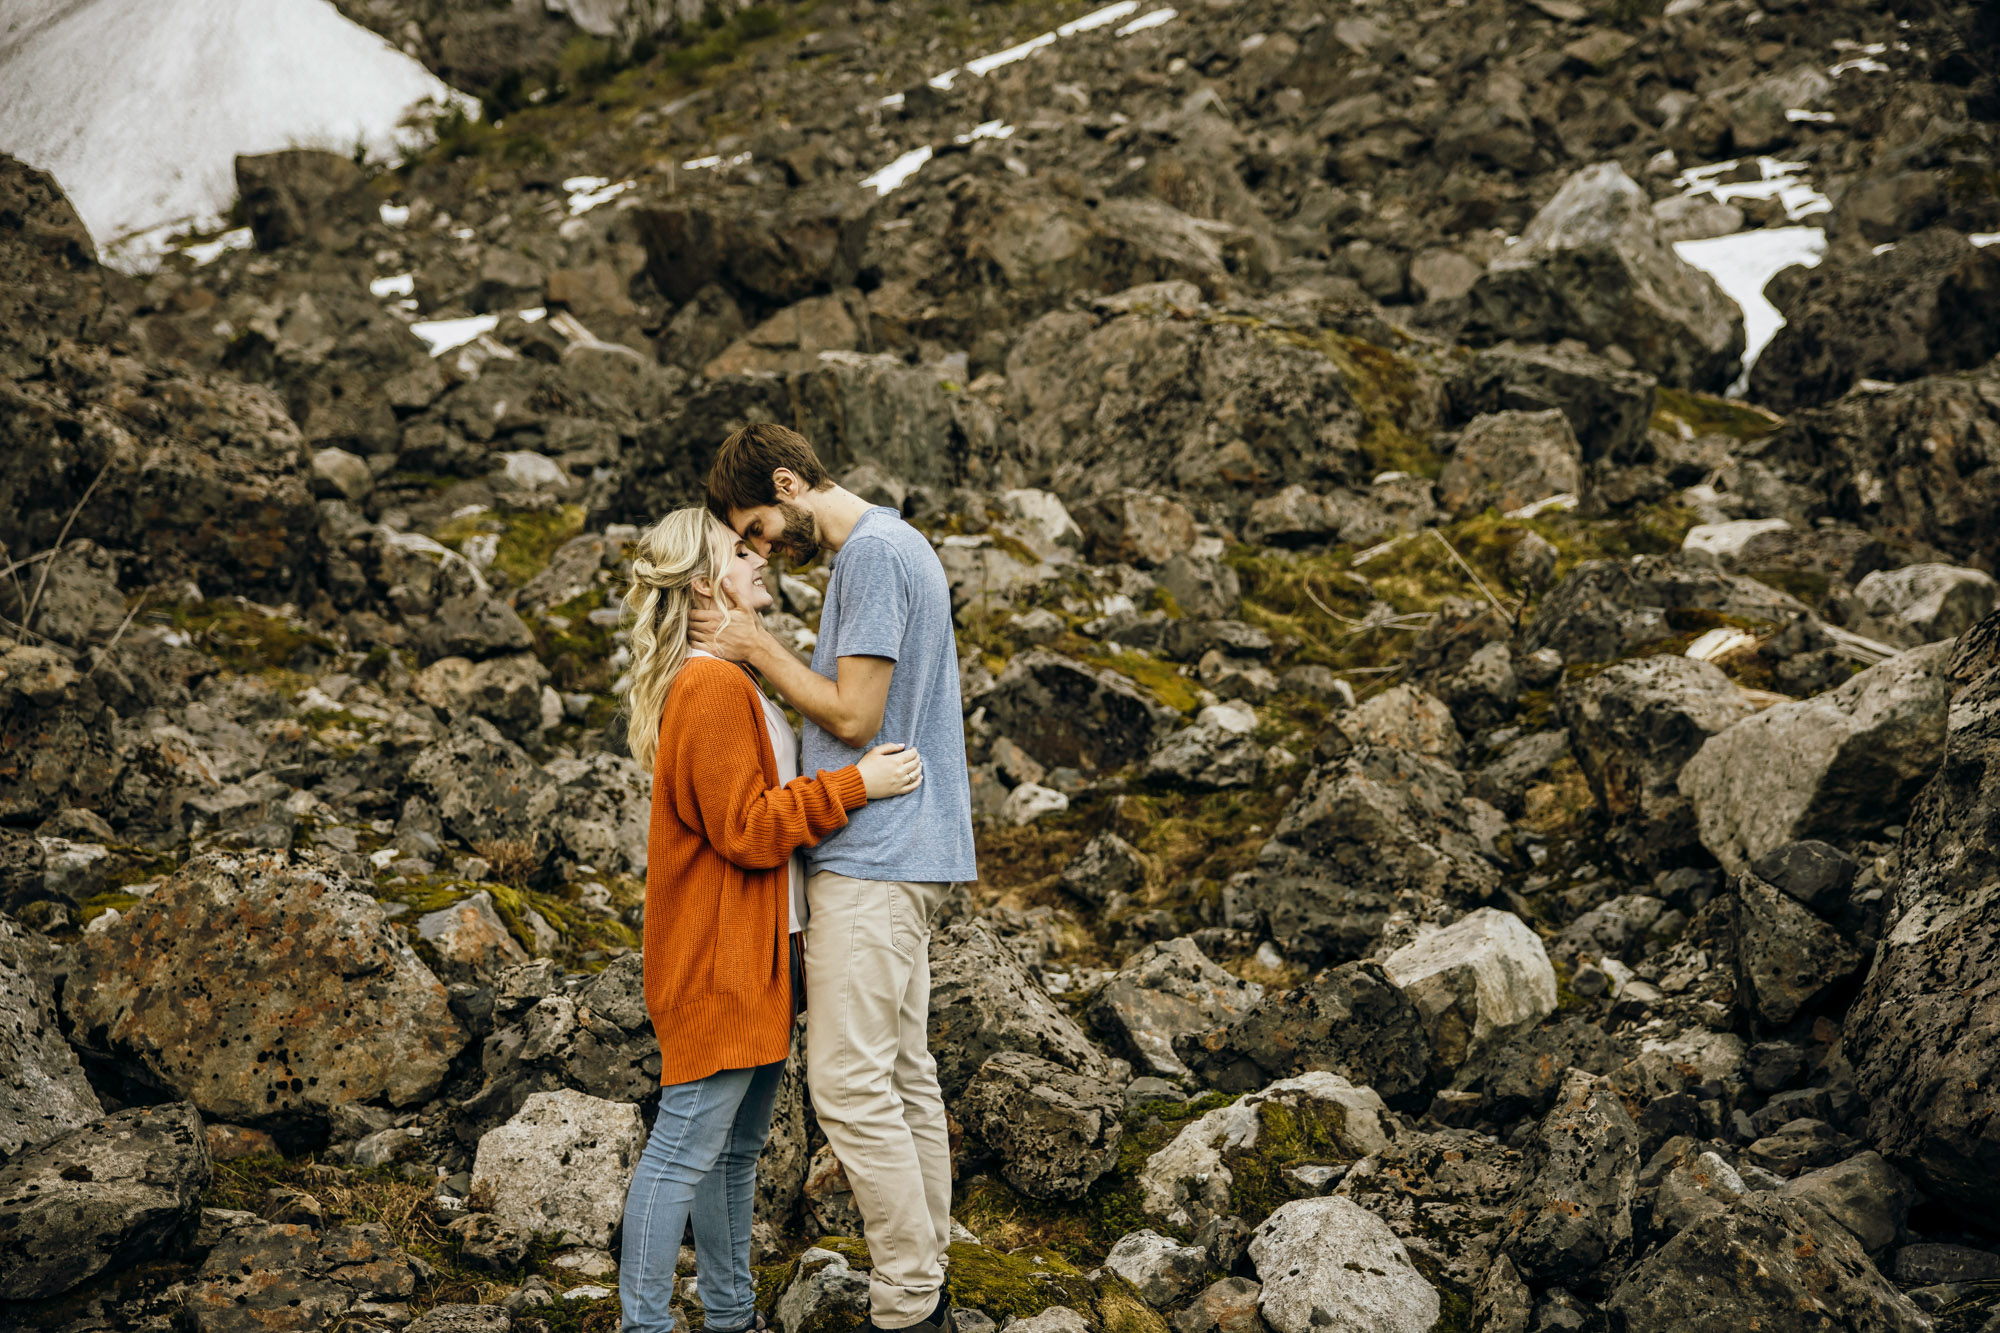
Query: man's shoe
x,y
942,1320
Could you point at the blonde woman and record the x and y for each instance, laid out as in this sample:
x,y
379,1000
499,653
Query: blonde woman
x,y
724,898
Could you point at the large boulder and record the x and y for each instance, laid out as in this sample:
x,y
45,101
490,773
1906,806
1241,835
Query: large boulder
x,y
1576,1210
560,1166
1475,983
1065,713
1192,1179
486,788
1918,464
50,285
1163,992
1632,727
1373,824
42,1089
1330,1264
1593,265
268,1275
807,243
103,1196
1919,1034
1841,764
1508,460
1607,609
1053,1131
265,989
1732,1270
1930,303
62,739
983,1001
1350,1020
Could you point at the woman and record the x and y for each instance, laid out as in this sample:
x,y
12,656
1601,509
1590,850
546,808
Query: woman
x,y
724,894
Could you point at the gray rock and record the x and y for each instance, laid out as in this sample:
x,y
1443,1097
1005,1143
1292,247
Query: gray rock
x,y
1331,1264
79,602
486,788
560,1166
1054,1131
462,1319
1160,1269
1841,764
1728,1272
1610,930
1593,265
823,1288
1813,872
1864,1194
1475,982
1633,726
1921,604
1786,958
1066,714
99,1198
1189,1181
287,195
506,691
1164,992
1228,1306
1576,1211
262,1275
1609,407
1702,1185
1929,1262
1136,527
1297,517
1407,717
469,938
336,472
1604,610
602,812
1350,1020
54,714
1219,751
1370,825
332,1007
1504,782
475,625
1508,460
1482,693
983,1001
42,1089
1108,866
1798,1145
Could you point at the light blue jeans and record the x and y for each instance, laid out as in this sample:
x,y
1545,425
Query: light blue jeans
x,y
700,1160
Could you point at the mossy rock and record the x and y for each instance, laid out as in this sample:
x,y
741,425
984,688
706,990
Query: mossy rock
x,y
1705,414
1120,1307
1017,1285
1309,1134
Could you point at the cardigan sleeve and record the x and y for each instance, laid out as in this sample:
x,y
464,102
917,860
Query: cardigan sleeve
x,y
711,758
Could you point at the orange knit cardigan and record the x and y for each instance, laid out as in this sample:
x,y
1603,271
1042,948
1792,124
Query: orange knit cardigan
x,y
718,901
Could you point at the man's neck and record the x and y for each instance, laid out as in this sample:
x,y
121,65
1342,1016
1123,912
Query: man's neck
x,y
836,511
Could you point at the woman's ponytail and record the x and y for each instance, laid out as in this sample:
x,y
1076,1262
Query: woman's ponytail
x,y
686,545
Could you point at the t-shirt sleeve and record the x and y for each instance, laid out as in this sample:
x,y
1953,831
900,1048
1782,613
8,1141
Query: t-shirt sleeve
x,y
875,596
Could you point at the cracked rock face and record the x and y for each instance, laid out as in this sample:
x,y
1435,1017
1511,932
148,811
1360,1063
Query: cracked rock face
x,y
1331,1264
333,1007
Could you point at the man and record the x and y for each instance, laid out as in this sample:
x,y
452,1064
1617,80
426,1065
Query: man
x,y
885,670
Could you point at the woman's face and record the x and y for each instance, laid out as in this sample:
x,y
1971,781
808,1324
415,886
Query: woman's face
x,y
743,586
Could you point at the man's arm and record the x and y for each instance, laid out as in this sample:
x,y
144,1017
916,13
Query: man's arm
x,y
849,708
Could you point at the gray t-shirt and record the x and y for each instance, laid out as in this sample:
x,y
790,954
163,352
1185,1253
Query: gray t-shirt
x,y
887,597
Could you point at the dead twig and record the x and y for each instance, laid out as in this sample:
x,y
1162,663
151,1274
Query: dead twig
x,y
1484,591
123,625
28,616
25,561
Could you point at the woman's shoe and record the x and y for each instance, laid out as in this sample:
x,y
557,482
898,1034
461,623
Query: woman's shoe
x,y
756,1325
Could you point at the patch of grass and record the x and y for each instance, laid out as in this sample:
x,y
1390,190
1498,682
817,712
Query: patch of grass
x,y
1156,676
1705,414
98,904
1288,1137
579,657
582,932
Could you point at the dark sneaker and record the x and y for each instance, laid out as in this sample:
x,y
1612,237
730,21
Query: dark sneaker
x,y
943,1320
756,1325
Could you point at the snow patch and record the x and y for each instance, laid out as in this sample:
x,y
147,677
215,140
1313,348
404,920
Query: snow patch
x,y
985,64
587,192
442,335
394,215
138,108
403,284
1742,264
1783,181
1982,239
207,252
1145,21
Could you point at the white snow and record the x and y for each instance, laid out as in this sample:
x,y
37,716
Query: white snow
x,y
138,107
705,163
207,252
394,215
904,167
444,334
1145,21
985,64
1781,180
1802,117
1984,238
587,192
1862,63
403,284
1742,264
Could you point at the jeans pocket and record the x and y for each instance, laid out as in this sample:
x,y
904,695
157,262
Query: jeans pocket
x,y
907,923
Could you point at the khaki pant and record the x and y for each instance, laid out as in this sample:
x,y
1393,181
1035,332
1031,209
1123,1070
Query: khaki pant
x,y
874,1084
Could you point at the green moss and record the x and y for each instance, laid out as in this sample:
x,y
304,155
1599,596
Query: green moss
x,y
140,867
579,657
1156,676
527,538
244,637
1018,1285
98,904
1705,414
1120,1307
580,931
1308,1134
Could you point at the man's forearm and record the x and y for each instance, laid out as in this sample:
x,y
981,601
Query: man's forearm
x,y
804,689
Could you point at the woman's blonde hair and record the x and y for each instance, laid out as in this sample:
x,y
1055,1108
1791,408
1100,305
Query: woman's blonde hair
x,y
684,546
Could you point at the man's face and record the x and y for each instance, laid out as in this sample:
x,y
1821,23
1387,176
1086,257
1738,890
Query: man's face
x,y
781,529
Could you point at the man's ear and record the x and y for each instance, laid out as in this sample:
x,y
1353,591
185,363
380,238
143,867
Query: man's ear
x,y
786,483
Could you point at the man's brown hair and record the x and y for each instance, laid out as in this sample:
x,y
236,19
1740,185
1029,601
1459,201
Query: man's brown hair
x,y
741,475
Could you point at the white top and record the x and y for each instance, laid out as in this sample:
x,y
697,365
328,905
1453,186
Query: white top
x,y
785,745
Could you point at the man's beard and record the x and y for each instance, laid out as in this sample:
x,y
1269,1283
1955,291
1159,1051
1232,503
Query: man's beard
x,y
799,542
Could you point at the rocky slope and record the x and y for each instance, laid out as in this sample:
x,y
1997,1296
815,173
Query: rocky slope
x,y
1477,830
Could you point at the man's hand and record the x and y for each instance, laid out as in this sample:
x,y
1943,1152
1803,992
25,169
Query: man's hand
x,y
743,639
